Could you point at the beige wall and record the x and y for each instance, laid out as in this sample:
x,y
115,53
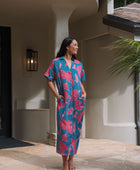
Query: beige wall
x,y
29,89
90,26
109,112
110,104
109,109
30,93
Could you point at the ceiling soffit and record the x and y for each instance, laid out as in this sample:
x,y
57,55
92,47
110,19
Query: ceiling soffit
x,y
42,10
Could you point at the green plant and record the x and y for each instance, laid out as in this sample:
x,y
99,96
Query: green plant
x,y
128,57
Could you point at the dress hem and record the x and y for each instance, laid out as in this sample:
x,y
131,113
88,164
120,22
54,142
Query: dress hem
x,y
65,154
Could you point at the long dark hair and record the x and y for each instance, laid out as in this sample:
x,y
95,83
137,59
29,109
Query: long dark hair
x,y
66,42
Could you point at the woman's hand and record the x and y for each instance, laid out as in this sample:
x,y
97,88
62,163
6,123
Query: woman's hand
x,y
59,96
52,87
83,92
83,95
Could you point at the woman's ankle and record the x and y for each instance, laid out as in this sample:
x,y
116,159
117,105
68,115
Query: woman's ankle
x,y
65,162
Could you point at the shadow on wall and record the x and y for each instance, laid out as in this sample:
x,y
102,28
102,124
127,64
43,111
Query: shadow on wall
x,y
99,58
110,104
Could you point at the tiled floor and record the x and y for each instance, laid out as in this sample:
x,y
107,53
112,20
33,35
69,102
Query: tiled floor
x,y
92,155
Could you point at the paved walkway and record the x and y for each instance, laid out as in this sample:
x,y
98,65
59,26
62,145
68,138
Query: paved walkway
x,y
92,155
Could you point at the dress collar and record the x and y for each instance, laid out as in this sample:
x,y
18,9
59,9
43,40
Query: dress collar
x,y
62,58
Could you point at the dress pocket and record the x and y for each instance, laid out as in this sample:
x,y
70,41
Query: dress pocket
x,y
60,103
60,99
60,108
83,99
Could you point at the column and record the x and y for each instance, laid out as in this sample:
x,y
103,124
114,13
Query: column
x,y
61,24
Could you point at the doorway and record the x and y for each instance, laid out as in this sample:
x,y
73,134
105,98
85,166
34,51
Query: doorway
x,y
5,82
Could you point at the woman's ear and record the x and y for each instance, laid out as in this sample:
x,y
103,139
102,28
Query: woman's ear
x,y
67,48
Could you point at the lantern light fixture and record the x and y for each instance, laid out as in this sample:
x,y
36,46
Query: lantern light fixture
x,y
31,60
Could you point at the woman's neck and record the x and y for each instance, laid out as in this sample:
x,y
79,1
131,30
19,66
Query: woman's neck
x,y
68,56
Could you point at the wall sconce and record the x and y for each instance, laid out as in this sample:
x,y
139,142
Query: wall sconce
x,y
31,60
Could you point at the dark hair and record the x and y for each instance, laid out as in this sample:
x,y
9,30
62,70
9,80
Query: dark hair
x,y
66,42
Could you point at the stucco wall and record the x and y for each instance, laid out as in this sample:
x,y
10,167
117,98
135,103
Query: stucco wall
x,y
90,26
110,104
109,109
29,89
109,112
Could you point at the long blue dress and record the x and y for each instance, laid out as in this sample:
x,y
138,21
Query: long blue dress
x,y
70,108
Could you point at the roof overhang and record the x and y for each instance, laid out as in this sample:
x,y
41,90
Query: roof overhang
x,y
122,24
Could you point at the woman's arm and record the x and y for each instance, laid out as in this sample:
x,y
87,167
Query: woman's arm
x,y
83,91
53,89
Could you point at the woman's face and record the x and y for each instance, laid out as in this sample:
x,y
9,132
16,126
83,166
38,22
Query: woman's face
x,y
73,48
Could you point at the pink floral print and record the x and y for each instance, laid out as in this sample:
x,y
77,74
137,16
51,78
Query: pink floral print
x,y
70,109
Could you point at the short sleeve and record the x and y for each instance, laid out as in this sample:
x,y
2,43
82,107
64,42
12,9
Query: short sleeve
x,y
82,73
50,73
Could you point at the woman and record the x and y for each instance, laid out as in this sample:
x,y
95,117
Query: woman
x,y
69,74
